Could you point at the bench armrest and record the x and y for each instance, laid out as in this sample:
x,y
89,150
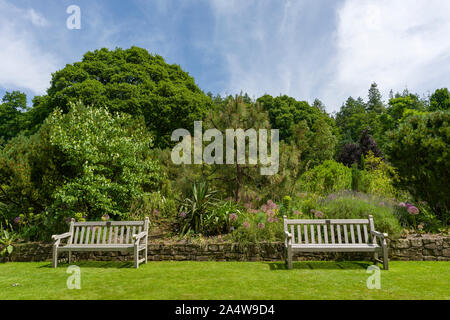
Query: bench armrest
x,y
287,238
139,235
379,234
61,236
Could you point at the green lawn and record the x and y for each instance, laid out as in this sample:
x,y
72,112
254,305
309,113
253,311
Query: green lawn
x,y
225,280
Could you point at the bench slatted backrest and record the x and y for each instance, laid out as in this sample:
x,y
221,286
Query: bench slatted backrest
x,y
105,232
330,231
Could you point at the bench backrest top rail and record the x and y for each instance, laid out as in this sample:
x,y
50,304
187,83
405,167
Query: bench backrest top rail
x,y
105,223
327,221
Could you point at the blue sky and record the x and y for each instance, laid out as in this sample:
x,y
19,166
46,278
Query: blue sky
x,y
326,49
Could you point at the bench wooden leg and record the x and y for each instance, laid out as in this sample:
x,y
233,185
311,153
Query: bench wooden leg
x,y
70,257
145,252
289,258
375,258
55,257
136,257
385,257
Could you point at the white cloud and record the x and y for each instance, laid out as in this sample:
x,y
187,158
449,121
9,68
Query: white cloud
x,y
307,50
266,48
23,63
35,18
395,43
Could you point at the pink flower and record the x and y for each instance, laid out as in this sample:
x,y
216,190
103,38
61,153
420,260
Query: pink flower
x,y
183,214
233,216
402,205
246,224
318,214
261,225
297,213
413,210
17,220
272,205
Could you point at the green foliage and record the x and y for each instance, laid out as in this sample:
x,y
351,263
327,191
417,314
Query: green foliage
x,y
222,219
352,205
194,208
87,162
109,154
131,81
7,239
256,228
425,221
352,119
374,103
329,177
440,100
12,115
419,150
154,204
285,112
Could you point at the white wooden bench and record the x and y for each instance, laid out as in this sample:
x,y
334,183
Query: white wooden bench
x,y
334,235
125,236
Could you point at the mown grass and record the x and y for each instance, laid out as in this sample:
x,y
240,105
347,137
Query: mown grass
x,y
225,280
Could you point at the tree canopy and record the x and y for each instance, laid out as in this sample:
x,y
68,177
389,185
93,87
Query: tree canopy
x,y
132,81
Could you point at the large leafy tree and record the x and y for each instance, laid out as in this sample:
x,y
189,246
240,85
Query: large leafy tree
x,y
419,150
440,100
351,119
132,81
12,116
285,112
374,103
87,162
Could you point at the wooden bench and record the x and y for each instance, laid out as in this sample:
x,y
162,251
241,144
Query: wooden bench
x,y
334,235
125,236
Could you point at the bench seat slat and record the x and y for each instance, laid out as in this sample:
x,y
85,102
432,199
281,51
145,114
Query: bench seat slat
x,y
95,247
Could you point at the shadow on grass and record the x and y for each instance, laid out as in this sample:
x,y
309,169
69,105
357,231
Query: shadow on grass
x,y
320,265
95,264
